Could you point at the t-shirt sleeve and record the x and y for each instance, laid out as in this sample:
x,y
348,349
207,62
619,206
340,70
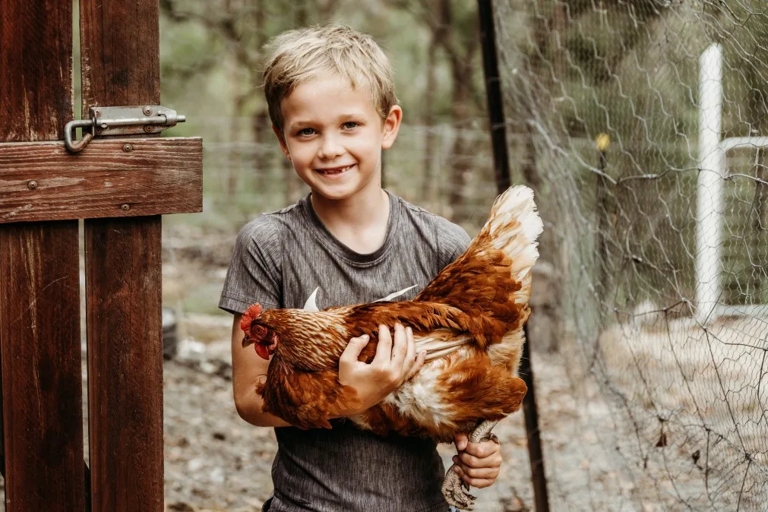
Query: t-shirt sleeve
x,y
452,242
254,273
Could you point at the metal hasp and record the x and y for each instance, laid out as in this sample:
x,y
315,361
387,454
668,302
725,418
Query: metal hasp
x,y
110,121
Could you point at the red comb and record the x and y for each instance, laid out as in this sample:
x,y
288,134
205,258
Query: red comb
x,y
251,314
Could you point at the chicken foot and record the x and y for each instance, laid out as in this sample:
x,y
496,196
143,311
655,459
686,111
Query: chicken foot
x,y
455,490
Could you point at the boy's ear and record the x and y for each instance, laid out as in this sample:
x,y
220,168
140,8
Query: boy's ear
x,y
281,140
391,126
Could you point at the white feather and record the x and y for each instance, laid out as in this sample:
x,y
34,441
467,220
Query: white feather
x,y
311,304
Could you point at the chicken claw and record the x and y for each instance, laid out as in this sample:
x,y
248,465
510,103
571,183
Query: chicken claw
x,y
455,490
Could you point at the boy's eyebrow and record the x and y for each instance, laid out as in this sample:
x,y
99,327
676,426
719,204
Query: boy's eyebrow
x,y
302,123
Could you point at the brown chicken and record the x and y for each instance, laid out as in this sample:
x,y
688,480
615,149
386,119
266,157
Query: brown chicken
x,y
469,318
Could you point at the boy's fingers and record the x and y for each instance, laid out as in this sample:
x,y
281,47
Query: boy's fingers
x,y
418,363
475,471
411,358
461,441
354,348
474,477
470,461
384,348
399,348
483,448
410,351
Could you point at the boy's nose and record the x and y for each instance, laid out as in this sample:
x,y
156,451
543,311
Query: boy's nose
x,y
330,148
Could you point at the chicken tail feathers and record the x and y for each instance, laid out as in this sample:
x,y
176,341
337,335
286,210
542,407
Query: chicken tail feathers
x,y
493,275
513,227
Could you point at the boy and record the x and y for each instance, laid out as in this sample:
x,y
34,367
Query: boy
x,y
331,100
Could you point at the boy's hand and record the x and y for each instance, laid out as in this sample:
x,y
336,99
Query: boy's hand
x,y
478,463
394,363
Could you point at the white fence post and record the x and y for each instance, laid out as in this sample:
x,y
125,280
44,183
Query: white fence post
x,y
709,193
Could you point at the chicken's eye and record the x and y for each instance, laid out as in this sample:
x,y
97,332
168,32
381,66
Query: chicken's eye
x,y
258,332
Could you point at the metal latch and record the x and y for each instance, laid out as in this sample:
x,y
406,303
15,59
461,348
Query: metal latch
x,y
109,121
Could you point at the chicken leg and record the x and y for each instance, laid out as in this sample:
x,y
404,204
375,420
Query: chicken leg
x,y
455,490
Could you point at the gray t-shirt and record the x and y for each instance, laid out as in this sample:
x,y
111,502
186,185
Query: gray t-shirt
x,y
279,259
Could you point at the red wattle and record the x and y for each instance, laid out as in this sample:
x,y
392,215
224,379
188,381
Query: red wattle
x,y
262,351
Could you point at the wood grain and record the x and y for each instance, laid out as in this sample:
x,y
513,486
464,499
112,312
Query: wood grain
x,y
39,277
123,297
42,385
120,52
120,66
35,69
156,176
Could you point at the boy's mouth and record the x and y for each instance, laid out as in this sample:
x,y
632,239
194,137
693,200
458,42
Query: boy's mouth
x,y
332,171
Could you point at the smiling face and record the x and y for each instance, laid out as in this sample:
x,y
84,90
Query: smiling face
x,y
334,135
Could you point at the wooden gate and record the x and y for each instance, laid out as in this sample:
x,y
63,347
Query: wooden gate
x,y
120,186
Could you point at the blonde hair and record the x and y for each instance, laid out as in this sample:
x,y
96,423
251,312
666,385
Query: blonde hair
x,y
303,54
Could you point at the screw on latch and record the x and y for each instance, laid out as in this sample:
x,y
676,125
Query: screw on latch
x,y
147,111
31,184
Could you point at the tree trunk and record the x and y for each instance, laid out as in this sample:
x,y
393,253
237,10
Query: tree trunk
x,y
459,162
428,184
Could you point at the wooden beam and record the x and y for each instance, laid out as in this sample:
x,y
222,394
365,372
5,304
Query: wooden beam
x,y
39,277
110,178
121,66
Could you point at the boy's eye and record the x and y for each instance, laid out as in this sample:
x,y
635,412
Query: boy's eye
x,y
304,132
350,125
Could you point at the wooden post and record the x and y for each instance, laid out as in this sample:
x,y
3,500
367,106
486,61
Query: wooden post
x,y
39,276
121,66
120,186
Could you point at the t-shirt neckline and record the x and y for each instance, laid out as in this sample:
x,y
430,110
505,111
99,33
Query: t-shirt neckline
x,y
327,239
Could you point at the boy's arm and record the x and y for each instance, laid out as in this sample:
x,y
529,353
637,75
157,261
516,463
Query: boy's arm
x,y
247,369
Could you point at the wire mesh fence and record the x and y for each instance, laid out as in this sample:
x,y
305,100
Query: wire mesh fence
x,y
642,126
